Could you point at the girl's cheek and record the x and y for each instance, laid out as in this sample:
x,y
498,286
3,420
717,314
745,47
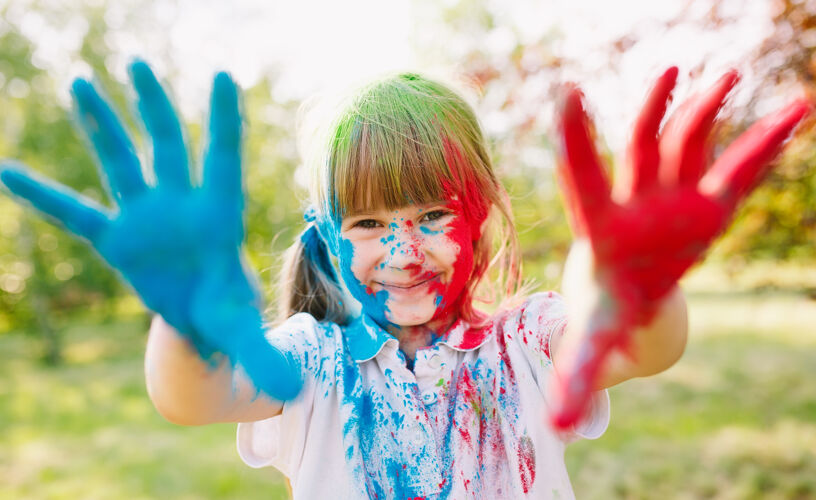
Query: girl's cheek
x,y
454,243
349,254
372,303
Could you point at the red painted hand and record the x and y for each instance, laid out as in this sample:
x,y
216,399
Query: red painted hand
x,y
663,213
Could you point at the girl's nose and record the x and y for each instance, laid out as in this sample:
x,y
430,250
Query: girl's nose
x,y
405,250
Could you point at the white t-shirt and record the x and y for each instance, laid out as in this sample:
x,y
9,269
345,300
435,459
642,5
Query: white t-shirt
x,y
469,422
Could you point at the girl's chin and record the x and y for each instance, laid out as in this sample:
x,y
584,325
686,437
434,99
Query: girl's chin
x,y
400,318
407,313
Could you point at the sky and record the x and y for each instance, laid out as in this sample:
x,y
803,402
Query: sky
x,y
319,45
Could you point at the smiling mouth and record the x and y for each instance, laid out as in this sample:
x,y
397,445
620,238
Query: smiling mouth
x,y
407,286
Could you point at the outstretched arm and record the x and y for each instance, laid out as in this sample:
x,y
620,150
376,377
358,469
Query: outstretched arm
x,y
645,233
178,243
651,348
187,391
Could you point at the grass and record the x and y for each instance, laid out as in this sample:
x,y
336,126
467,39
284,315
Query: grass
x,y
87,429
734,419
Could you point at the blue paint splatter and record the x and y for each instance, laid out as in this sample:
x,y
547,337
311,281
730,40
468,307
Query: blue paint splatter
x,y
428,231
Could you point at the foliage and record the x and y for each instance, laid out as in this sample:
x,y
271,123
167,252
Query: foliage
x,y
43,272
46,276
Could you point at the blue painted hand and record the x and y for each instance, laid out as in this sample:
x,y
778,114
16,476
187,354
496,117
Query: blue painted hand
x,y
178,243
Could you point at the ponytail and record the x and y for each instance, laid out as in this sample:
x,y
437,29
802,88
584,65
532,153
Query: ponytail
x,y
308,282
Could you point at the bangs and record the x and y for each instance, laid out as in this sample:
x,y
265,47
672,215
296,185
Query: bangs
x,y
387,167
392,148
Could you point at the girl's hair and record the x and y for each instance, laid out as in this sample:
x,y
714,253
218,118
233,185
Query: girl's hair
x,y
403,139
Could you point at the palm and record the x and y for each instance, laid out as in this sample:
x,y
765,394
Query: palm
x,y
164,242
662,234
178,244
664,212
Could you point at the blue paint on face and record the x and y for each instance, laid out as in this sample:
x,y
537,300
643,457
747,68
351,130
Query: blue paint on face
x,y
428,231
374,304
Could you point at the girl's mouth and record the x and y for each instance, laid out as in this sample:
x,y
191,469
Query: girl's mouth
x,y
407,287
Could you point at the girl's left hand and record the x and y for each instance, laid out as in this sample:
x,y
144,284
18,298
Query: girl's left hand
x,y
664,211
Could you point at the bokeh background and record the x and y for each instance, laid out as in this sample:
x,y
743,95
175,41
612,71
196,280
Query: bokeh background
x,y
734,419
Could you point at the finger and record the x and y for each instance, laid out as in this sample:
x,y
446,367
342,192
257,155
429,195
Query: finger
x,y
740,168
114,149
222,164
643,153
583,181
684,145
78,214
169,151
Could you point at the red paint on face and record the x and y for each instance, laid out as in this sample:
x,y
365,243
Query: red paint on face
x,y
454,292
467,200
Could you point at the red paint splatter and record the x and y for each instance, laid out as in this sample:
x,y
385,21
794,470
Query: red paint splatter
x,y
545,343
527,462
472,337
465,435
511,376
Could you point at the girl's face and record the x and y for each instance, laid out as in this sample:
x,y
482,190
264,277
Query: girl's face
x,y
407,266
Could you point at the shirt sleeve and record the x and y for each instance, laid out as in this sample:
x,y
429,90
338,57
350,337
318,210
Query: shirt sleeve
x,y
279,441
541,320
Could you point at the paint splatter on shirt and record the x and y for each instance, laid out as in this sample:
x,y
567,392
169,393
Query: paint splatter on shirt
x,y
468,422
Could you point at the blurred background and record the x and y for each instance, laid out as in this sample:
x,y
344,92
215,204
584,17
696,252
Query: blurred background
x,y
735,418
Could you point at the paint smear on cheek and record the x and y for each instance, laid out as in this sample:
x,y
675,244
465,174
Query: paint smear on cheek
x,y
374,304
428,231
448,294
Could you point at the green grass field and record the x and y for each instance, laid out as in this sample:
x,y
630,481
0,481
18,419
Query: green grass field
x,y
734,419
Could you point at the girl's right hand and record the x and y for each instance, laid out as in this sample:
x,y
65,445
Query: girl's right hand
x,y
178,242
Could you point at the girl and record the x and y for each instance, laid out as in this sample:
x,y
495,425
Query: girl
x,y
384,381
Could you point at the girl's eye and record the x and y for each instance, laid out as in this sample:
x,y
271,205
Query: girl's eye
x,y
366,223
433,215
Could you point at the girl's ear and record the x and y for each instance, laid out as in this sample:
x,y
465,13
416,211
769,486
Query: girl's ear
x,y
478,234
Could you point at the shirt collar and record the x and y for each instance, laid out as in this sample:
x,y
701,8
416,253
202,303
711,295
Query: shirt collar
x,y
461,337
365,338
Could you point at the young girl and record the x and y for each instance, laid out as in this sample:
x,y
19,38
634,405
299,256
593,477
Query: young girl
x,y
383,380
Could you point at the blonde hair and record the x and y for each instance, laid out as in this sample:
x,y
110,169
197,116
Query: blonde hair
x,y
400,140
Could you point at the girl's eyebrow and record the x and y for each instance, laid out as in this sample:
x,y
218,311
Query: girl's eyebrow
x,y
437,203
369,212
358,213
